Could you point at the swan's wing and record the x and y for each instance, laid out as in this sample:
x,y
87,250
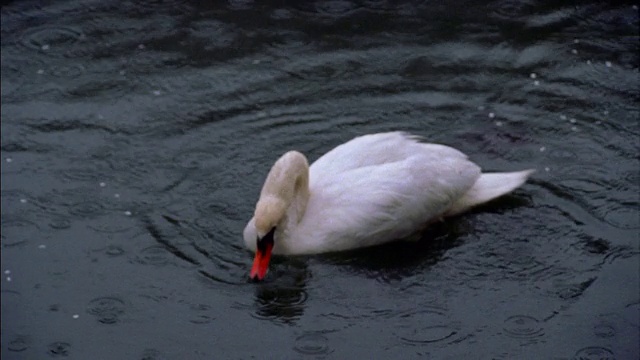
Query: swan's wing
x,y
379,203
375,149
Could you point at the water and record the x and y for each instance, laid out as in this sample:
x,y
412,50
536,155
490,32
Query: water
x,y
136,137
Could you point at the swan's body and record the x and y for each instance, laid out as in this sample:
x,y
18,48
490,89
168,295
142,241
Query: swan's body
x,y
371,190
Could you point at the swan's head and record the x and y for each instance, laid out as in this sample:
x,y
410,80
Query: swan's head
x,y
270,211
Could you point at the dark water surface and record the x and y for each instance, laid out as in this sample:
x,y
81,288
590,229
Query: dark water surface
x,y
136,137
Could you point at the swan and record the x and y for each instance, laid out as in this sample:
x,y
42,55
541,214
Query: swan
x,y
368,191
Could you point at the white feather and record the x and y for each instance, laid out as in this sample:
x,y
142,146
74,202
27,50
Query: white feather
x,y
375,189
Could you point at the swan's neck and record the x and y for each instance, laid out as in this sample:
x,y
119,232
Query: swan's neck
x,y
285,193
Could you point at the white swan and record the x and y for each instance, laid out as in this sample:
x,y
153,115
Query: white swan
x,y
371,190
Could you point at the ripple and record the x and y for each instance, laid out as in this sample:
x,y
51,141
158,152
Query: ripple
x,y
604,330
280,303
86,209
51,39
60,223
18,343
425,326
594,353
312,344
59,348
523,327
67,71
197,159
156,255
18,231
107,310
335,7
619,215
202,314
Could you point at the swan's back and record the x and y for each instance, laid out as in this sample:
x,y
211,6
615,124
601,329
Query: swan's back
x,y
378,188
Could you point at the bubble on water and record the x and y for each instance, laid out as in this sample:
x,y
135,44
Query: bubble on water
x,y
24,201
45,47
547,169
75,316
572,120
141,46
536,83
574,51
42,246
492,115
542,148
8,159
7,271
533,75
499,123
607,63
128,213
102,184
156,92
8,278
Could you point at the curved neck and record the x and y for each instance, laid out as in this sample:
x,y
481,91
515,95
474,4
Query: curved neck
x,y
288,184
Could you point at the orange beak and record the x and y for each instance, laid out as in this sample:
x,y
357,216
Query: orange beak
x,y
263,255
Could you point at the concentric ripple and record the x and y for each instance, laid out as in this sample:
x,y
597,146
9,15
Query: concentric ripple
x,y
51,39
523,327
312,344
106,310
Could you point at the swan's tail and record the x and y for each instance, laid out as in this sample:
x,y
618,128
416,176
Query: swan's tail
x,y
488,187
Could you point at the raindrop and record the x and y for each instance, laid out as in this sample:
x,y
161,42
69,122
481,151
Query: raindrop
x,y
128,213
156,92
542,148
574,128
606,112
576,41
141,46
45,47
594,353
106,309
7,272
607,63
572,120
122,72
42,246
18,344
563,117
547,169
481,107
588,62
59,349
574,51
8,159
533,75
9,278
117,196
102,184
24,201
312,344
522,326
536,83
255,62
492,115
499,123
75,316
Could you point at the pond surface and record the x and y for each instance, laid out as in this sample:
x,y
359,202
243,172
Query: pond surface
x,y
136,137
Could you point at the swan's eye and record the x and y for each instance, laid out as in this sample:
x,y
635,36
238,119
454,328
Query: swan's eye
x,y
266,241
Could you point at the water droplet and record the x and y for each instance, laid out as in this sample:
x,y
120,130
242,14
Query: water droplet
x,y
588,62
492,115
563,117
128,213
312,344
542,148
607,63
122,72
103,184
499,123
156,92
536,83
572,120
574,51
533,75
522,326
481,107
45,47
547,169
24,201
8,160
606,112
598,122
574,128
594,353
59,349
117,196
8,278
42,246
75,316
7,271
255,62
576,41
141,46
107,310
